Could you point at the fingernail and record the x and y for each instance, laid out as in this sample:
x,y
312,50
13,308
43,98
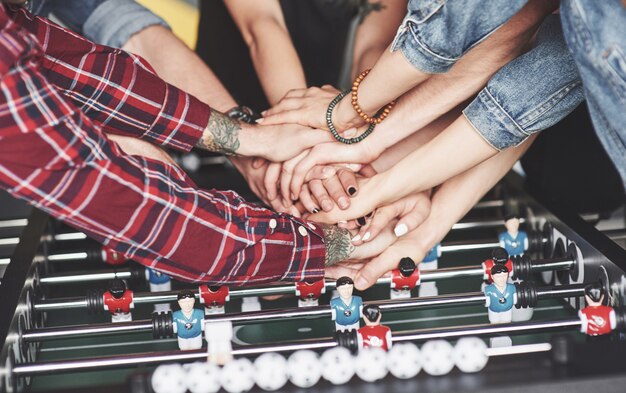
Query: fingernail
x,y
342,222
259,120
264,112
367,236
328,171
315,210
356,238
400,230
326,205
360,282
354,167
343,202
361,221
293,197
351,190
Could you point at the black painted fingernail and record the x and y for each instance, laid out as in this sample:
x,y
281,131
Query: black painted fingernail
x,y
361,221
351,190
315,210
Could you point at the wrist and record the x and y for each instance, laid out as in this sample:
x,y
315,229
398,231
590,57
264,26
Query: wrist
x,y
338,243
345,117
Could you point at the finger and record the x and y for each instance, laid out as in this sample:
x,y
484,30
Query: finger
x,y
325,153
307,200
321,195
276,116
348,181
344,269
285,177
258,162
409,220
385,262
337,193
270,181
320,172
379,221
368,171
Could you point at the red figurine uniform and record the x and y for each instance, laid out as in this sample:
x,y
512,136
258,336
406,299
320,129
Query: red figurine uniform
x,y
375,337
597,320
112,257
309,293
489,263
400,282
119,307
214,298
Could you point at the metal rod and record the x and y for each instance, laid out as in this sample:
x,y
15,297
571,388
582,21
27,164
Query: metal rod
x,y
40,368
489,204
86,277
290,313
482,224
539,265
18,222
11,241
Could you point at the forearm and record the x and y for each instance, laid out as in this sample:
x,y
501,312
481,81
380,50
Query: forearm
x,y
175,63
339,247
456,149
275,59
442,92
459,194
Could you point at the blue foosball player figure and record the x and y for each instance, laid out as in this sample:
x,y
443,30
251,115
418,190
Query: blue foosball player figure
x,y
501,296
514,241
346,309
188,322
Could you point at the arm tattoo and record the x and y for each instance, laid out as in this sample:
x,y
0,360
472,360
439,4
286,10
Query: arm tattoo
x,y
221,134
338,244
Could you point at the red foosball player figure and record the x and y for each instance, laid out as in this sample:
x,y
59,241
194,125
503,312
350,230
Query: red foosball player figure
x,y
404,279
112,257
596,319
214,298
118,301
498,256
309,293
373,334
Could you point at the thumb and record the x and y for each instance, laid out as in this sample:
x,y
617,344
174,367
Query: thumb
x,y
373,270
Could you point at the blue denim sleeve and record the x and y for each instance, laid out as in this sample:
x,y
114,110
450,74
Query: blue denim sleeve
x,y
436,33
107,22
531,93
595,32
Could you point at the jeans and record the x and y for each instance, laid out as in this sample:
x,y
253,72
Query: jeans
x,y
595,32
436,33
106,22
529,94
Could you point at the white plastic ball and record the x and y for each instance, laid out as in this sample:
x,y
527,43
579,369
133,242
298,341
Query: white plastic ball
x,y
404,360
337,365
437,357
470,354
371,364
203,377
270,371
304,368
237,376
169,378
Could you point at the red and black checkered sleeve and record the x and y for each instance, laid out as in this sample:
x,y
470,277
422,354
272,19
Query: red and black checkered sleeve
x,y
114,88
57,159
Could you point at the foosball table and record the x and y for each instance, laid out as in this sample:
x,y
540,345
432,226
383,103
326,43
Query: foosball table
x,y
62,330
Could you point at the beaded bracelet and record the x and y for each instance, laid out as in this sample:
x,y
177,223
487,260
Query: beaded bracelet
x,y
333,130
380,115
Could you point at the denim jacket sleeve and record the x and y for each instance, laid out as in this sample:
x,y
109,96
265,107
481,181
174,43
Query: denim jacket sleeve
x,y
107,22
531,93
436,33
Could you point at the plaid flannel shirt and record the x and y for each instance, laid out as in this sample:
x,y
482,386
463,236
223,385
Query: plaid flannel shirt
x,y
59,93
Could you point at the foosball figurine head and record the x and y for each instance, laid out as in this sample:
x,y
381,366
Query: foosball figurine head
x,y
407,267
594,294
372,315
511,223
117,288
345,287
500,275
499,256
186,301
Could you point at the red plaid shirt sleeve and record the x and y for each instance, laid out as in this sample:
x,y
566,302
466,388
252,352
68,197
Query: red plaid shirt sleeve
x,y
118,90
58,159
